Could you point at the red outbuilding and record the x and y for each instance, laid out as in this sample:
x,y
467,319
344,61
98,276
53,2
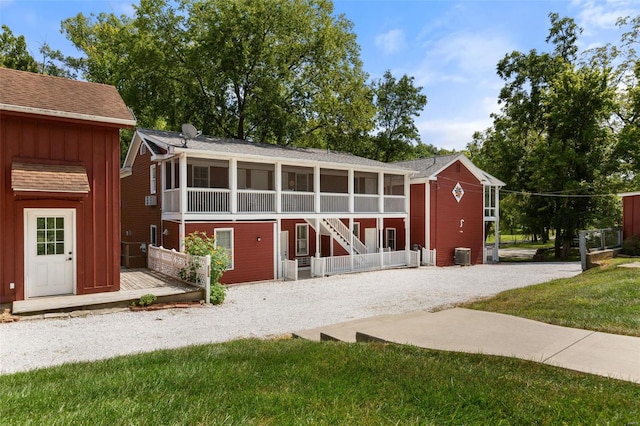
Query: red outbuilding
x,y
453,205
630,214
59,186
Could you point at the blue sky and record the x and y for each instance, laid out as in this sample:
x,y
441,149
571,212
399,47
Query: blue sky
x,y
450,47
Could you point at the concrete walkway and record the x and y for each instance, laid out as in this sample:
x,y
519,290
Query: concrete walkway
x,y
471,331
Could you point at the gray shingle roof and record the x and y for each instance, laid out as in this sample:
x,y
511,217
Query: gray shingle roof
x,y
426,167
240,147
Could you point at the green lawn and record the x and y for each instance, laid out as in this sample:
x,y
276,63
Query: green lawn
x,y
291,381
603,299
299,382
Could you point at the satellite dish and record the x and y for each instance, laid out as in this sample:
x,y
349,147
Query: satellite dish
x,y
189,131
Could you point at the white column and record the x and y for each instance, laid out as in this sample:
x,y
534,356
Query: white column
x,y
183,197
496,247
380,229
351,241
278,187
427,214
233,185
316,189
277,261
380,192
350,189
317,231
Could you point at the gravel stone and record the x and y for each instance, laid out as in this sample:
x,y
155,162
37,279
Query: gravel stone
x,y
262,310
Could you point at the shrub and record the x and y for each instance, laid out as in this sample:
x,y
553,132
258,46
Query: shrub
x,y
199,244
631,245
147,299
218,294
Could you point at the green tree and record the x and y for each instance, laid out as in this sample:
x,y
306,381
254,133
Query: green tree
x,y
282,71
397,103
551,136
14,53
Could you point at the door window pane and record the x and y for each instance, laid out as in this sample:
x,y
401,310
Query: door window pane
x,y
49,235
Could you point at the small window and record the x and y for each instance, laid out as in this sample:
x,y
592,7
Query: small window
x,y
152,179
224,239
200,177
153,235
168,173
302,239
143,149
356,229
391,238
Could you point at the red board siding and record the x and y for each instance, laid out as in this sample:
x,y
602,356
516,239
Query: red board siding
x,y
97,148
630,216
417,215
447,213
253,259
136,217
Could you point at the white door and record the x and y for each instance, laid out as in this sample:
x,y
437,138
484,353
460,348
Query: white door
x,y
370,238
49,252
284,245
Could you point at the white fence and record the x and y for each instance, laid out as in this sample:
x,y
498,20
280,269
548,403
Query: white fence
x,y
428,257
321,266
290,269
598,239
195,270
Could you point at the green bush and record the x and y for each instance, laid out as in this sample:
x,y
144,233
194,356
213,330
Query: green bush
x,y
218,294
199,244
147,299
631,246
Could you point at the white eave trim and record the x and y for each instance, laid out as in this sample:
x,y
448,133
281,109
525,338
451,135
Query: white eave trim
x,y
629,194
65,114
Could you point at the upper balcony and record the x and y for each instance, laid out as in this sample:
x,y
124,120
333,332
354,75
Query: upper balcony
x,y
236,187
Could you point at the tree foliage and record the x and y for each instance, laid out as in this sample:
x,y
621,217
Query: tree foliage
x,y
282,71
397,103
552,136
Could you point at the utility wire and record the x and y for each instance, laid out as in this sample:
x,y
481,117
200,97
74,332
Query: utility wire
x,y
556,195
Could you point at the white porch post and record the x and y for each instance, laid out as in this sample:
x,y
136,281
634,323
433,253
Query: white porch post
x,y
277,261
316,190
427,214
350,186
496,246
317,230
351,241
380,226
233,185
407,219
380,192
278,187
183,197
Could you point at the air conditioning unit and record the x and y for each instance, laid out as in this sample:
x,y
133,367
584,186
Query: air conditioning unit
x,y
462,256
150,200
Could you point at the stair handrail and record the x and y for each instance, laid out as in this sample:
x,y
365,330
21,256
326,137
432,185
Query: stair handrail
x,y
344,231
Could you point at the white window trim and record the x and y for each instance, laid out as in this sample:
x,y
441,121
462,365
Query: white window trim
x,y
143,149
306,252
387,233
215,236
153,235
152,179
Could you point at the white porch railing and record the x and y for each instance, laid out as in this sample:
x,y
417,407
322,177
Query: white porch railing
x,y
171,200
334,203
428,257
250,201
195,270
203,200
366,203
394,203
290,269
293,202
321,266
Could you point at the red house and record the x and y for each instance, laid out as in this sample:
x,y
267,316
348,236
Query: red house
x,y
453,204
59,186
265,204
630,214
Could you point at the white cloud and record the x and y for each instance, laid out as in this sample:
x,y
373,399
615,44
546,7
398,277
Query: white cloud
x,y
596,15
391,42
450,134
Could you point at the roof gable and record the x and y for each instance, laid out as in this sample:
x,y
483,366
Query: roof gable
x,y
429,168
33,93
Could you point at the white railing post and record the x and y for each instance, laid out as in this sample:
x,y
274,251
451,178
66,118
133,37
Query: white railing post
x,y
207,279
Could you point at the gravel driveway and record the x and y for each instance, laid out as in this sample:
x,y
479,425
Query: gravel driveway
x,y
262,310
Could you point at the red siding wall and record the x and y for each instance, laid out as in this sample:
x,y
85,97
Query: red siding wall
x,y
630,216
136,217
446,214
290,225
253,259
417,216
97,148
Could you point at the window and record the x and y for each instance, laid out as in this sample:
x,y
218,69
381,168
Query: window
x,y
168,173
50,236
153,235
356,229
224,239
152,179
365,183
302,239
391,238
200,177
143,149
393,185
489,200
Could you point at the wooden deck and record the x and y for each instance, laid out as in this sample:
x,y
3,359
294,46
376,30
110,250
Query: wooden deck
x,y
133,284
